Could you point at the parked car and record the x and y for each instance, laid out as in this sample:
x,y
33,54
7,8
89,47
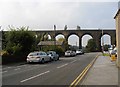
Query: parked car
x,y
53,55
79,52
114,51
110,51
41,57
70,53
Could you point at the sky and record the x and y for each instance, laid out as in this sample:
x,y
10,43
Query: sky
x,y
43,14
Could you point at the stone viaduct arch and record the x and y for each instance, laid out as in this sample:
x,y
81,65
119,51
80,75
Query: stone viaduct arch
x,y
96,35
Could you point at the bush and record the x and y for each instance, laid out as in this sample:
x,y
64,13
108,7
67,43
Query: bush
x,y
59,50
91,46
20,42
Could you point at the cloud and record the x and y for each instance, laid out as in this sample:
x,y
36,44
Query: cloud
x,y
44,14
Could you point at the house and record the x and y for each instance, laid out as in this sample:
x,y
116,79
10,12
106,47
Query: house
x,y
42,44
117,18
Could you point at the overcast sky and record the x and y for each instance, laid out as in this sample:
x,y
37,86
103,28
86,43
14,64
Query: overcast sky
x,y
43,14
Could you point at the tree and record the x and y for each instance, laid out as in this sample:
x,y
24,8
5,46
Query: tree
x,y
20,41
45,37
61,39
65,43
106,46
91,46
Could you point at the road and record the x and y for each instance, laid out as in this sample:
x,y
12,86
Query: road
x,y
62,72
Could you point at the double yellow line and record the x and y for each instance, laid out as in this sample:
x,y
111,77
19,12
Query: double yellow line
x,y
79,78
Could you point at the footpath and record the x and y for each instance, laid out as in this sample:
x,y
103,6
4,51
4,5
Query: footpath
x,y
103,72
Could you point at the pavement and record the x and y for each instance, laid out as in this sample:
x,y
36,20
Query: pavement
x,y
103,72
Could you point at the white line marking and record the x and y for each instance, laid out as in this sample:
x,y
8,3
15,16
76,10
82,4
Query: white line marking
x,y
73,61
7,68
35,76
4,72
67,58
21,65
62,65
17,69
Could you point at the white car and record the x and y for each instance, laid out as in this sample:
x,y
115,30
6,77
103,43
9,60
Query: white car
x,y
79,52
41,57
70,53
110,51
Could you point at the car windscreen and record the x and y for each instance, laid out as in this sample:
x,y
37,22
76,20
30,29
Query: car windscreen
x,y
33,54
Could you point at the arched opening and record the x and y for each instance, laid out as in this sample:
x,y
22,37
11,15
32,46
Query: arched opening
x,y
46,37
59,37
73,40
49,37
105,40
85,39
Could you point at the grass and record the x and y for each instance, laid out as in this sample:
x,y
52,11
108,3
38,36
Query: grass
x,y
105,54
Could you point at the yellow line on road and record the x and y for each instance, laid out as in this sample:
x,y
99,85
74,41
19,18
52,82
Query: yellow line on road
x,y
79,78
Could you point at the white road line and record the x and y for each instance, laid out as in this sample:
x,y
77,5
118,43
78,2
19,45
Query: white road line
x,y
73,61
21,65
4,72
7,68
67,58
35,76
17,69
62,65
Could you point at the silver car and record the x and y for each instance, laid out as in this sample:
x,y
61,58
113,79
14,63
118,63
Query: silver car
x,y
53,55
41,57
70,53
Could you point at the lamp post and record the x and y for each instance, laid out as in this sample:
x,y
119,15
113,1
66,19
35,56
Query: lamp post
x,y
54,37
102,42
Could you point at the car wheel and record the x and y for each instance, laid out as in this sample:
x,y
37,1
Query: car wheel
x,y
28,62
42,61
50,59
54,59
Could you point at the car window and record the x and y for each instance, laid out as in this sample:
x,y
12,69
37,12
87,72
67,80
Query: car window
x,y
40,53
32,54
44,53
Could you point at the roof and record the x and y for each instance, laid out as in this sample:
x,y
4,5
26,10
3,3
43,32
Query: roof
x,y
117,13
49,43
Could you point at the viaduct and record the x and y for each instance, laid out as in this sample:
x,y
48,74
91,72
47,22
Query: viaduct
x,y
96,35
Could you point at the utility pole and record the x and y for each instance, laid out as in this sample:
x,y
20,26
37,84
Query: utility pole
x,y
102,42
54,37
76,43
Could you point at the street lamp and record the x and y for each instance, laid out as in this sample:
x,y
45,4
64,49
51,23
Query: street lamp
x,y
54,36
102,42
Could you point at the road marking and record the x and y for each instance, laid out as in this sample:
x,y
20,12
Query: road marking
x,y
21,65
17,69
81,75
4,72
62,65
73,61
67,58
34,76
7,68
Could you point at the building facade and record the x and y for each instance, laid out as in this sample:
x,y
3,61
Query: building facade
x,y
117,18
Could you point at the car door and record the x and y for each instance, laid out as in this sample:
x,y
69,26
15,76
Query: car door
x,y
46,57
